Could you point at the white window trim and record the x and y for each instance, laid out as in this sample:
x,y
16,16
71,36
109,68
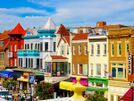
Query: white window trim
x,y
100,70
97,49
111,44
119,42
127,42
79,49
104,54
85,49
74,50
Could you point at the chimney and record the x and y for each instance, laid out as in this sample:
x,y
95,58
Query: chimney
x,y
101,24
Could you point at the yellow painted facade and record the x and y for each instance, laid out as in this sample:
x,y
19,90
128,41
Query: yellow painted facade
x,y
119,44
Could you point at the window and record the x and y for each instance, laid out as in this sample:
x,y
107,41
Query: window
x,y
119,49
15,48
73,69
105,49
25,46
79,49
120,72
36,46
91,69
31,46
11,48
98,70
113,72
85,69
67,50
98,49
31,62
1,55
112,48
62,50
85,49
48,67
127,47
1,43
41,46
92,49
80,69
74,50
26,62
54,46
46,46
15,62
105,70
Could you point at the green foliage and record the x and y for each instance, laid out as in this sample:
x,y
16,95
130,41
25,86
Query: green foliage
x,y
96,97
6,83
45,91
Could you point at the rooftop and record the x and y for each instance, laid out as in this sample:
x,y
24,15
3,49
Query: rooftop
x,y
63,31
50,25
80,37
18,30
58,57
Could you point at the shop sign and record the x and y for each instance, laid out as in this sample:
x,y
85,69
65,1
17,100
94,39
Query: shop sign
x,y
31,79
129,64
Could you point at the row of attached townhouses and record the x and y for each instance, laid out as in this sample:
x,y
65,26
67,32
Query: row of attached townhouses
x,y
102,56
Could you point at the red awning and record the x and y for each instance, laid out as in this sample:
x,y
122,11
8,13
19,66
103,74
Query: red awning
x,y
128,95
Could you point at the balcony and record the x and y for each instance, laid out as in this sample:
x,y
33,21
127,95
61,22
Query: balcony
x,y
28,53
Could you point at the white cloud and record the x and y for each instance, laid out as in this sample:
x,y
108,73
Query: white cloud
x,y
68,11
22,10
71,12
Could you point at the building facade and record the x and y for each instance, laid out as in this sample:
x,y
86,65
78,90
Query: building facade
x,y
4,49
80,60
38,44
59,64
16,43
98,61
120,45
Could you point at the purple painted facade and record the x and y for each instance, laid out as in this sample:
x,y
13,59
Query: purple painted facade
x,y
83,81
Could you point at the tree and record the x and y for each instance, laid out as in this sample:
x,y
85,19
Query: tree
x,y
44,91
9,83
96,97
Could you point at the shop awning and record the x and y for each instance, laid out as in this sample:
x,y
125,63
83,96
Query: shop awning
x,y
6,74
127,96
67,86
97,79
23,79
97,89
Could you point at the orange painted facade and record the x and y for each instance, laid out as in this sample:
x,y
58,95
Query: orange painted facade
x,y
80,56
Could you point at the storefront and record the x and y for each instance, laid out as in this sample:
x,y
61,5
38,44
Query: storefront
x,y
98,85
57,65
83,80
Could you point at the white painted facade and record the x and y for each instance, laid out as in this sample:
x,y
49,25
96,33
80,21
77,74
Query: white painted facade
x,y
37,45
100,59
115,93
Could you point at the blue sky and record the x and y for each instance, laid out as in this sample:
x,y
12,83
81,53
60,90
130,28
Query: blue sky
x,y
32,13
